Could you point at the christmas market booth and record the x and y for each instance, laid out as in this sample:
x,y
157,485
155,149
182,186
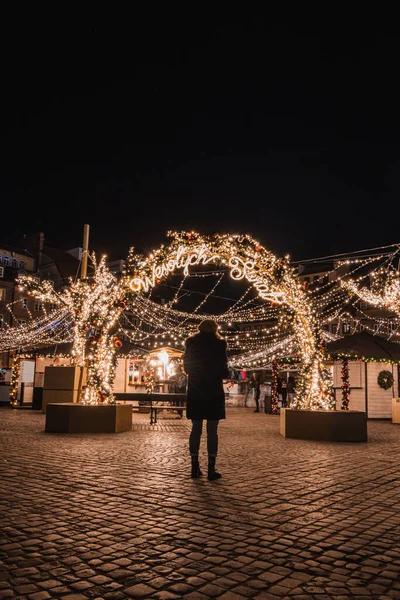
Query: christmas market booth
x,y
365,373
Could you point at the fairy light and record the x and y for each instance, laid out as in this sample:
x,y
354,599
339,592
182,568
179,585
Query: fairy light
x,y
14,381
94,305
273,279
345,384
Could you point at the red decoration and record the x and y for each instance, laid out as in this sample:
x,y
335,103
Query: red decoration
x,y
117,342
123,304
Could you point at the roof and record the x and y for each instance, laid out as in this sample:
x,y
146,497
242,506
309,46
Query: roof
x,y
67,264
365,345
15,249
314,268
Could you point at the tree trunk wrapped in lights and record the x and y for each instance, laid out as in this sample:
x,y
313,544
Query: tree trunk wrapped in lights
x,y
274,387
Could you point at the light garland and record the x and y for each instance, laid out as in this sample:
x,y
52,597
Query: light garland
x,y
273,279
274,387
14,381
88,311
345,384
95,305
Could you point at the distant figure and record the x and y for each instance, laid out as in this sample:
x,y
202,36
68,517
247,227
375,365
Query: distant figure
x,y
177,385
205,362
284,392
255,383
291,384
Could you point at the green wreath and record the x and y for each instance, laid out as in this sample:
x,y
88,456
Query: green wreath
x,y
385,380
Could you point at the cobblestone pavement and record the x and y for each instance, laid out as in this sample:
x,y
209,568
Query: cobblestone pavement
x,y
114,516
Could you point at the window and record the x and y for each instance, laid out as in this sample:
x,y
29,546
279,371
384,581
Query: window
x,y
37,279
393,326
1,258
334,328
316,277
363,305
124,320
24,302
362,327
306,279
2,294
53,306
22,264
376,326
21,321
38,306
6,261
1,271
346,327
14,263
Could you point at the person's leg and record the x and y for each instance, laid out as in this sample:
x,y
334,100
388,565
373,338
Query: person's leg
x,y
257,399
212,449
180,403
194,446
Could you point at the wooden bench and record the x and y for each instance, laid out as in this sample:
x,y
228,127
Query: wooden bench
x,y
154,408
155,402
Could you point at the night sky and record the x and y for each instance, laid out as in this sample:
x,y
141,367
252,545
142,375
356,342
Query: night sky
x,y
243,126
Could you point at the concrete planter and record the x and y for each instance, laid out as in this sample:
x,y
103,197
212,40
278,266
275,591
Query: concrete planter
x,y
330,425
78,418
396,410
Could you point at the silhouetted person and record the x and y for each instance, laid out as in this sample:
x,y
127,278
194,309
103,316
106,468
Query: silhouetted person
x,y
291,384
205,362
255,383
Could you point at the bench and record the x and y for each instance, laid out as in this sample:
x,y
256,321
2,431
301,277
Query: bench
x,y
155,402
154,408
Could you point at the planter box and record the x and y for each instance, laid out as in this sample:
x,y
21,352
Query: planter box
x,y
329,425
395,410
64,378
58,397
80,418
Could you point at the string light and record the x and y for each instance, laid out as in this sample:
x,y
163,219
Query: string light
x,y
274,280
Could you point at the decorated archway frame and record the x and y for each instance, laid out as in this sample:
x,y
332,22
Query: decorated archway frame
x,y
273,278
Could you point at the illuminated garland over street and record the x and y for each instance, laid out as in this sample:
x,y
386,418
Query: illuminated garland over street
x,y
273,279
384,291
54,328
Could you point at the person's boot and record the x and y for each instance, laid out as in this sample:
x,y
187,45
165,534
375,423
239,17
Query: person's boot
x,y
196,471
212,473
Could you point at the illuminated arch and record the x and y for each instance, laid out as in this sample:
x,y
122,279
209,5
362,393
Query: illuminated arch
x,y
273,278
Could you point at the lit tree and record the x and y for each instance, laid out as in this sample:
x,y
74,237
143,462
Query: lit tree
x,y
95,305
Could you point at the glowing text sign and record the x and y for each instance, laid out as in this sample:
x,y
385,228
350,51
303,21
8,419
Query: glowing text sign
x,y
184,258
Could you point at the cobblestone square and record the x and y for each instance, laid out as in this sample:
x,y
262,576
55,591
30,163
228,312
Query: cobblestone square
x,y
114,516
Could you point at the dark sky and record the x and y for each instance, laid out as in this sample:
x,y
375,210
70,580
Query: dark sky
x,y
241,125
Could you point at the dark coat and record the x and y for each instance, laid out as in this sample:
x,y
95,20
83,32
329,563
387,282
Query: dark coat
x,y
205,362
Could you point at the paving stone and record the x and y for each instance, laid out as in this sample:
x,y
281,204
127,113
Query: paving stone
x,y
122,513
139,591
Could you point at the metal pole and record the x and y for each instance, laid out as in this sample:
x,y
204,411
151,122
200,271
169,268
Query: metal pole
x,y
85,251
